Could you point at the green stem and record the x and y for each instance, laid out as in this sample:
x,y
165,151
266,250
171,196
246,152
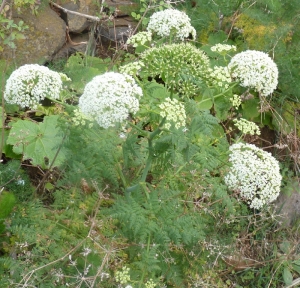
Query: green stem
x,y
147,168
120,172
148,248
218,95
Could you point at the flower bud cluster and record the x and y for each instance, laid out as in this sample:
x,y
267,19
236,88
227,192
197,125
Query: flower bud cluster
x,y
30,84
132,68
81,119
123,276
140,38
175,63
255,69
219,77
236,101
171,22
109,98
246,127
254,174
223,48
150,284
174,112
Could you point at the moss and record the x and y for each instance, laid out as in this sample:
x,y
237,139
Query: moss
x,y
255,33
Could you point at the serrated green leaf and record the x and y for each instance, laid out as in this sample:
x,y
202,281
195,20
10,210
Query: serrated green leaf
x,y
287,276
38,141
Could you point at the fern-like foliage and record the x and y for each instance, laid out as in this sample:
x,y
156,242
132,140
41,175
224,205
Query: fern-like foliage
x,y
94,156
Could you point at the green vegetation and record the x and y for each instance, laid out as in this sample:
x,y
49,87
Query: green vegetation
x,y
145,202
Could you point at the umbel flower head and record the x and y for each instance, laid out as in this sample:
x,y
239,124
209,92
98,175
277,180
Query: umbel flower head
x,y
171,22
180,66
140,38
30,84
109,98
254,174
255,69
174,112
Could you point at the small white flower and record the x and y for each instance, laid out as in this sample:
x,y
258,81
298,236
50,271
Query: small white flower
x,y
171,22
140,38
255,69
132,68
86,251
21,182
174,112
30,84
254,173
223,48
246,127
236,101
109,98
81,119
219,77
123,276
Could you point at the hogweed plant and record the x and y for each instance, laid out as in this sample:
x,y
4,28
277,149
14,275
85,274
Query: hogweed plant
x,y
171,23
30,84
254,175
158,145
256,70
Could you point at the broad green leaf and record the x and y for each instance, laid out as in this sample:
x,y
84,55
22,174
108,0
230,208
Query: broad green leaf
x,y
38,142
250,109
296,267
82,69
222,106
8,149
297,262
287,276
206,101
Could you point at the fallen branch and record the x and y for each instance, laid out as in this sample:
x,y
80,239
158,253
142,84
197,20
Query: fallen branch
x,y
93,18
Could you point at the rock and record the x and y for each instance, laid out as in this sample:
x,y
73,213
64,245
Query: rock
x,y
76,23
45,36
117,31
288,204
121,7
80,43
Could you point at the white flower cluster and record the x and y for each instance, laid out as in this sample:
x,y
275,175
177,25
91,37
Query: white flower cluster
x,y
246,127
254,174
174,112
140,38
220,77
171,22
255,69
132,68
150,284
81,119
236,101
30,84
223,48
123,276
109,98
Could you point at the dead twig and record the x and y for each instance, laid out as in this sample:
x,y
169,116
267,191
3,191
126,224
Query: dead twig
x,y
93,18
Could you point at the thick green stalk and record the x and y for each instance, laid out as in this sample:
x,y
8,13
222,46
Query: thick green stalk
x,y
147,168
218,95
148,248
